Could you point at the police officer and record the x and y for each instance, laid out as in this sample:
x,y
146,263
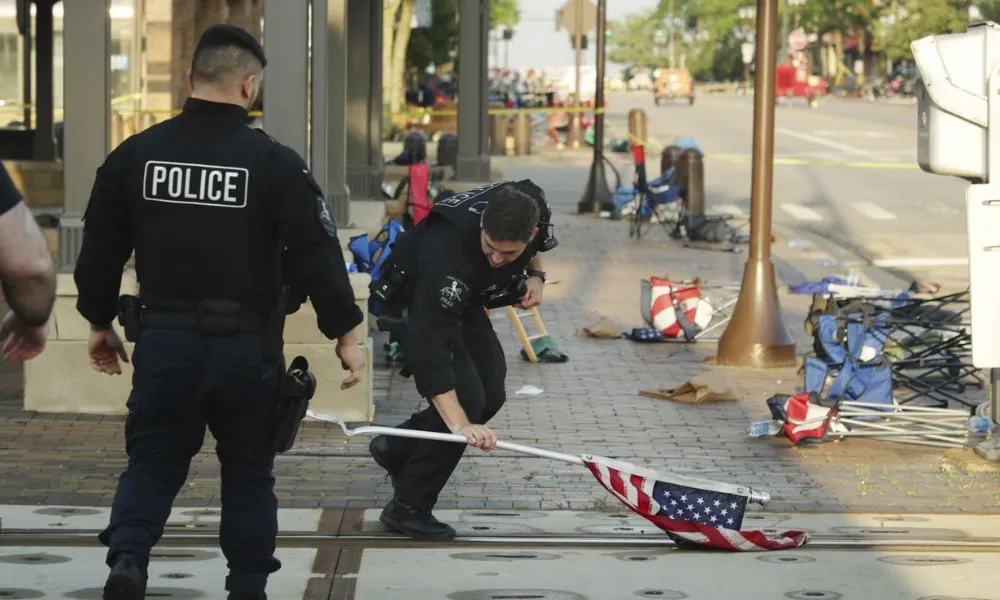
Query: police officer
x,y
207,204
474,250
26,275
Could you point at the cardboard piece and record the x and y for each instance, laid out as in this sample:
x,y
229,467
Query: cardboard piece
x,y
605,329
710,386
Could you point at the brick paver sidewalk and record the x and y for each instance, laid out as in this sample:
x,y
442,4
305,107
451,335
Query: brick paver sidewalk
x,y
589,404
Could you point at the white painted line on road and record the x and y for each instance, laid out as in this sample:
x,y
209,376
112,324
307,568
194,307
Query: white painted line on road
x,y
856,133
920,262
802,213
873,211
728,209
829,143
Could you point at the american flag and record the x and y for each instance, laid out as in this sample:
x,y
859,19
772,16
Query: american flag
x,y
691,511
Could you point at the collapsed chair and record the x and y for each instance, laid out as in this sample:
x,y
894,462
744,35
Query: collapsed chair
x,y
926,341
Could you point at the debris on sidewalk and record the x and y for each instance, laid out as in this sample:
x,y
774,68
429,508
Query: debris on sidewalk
x,y
710,386
546,350
801,418
605,329
683,311
529,390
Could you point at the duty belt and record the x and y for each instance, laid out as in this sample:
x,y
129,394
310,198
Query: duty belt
x,y
209,316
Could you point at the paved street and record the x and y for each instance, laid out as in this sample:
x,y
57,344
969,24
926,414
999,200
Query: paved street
x,y
876,206
845,171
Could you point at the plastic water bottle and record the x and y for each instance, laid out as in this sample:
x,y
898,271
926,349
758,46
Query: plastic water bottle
x,y
762,429
979,425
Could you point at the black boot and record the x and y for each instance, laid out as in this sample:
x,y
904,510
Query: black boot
x,y
382,453
415,523
127,580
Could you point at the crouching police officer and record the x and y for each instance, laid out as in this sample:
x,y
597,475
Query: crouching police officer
x,y
475,250
208,205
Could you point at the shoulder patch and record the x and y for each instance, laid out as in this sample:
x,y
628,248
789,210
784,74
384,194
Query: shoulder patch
x,y
453,295
325,217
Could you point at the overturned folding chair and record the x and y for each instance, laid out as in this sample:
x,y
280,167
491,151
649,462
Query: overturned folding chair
x,y
687,311
657,201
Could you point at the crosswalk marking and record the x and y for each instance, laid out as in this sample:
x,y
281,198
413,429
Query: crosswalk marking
x,y
873,211
802,213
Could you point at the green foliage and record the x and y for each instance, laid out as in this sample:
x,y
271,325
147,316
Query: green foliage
x,y
634,42
435,44
915,19
504,13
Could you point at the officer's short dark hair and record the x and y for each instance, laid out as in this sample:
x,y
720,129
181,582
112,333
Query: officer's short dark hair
x,y
225,52
510,216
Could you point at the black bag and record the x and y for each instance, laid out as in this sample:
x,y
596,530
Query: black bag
x,y
708,229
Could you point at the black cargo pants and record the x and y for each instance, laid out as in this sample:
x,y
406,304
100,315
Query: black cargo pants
x,y
480,373
183,381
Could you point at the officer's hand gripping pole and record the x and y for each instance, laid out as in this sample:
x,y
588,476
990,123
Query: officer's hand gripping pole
x,y
753,496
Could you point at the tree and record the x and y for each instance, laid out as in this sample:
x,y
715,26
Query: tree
x,y
396,18
636,43
910,20
435,44
504,13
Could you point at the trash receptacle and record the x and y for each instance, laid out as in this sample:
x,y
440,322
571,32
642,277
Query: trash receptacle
x,y
447,150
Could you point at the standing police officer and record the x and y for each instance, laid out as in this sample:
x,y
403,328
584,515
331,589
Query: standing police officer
x,y
207,204
475,250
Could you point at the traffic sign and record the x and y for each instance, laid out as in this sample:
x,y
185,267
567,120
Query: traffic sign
x,y
566,16
747,50
798,40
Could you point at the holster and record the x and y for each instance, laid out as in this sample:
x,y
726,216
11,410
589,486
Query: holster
x,y
130,317
298,385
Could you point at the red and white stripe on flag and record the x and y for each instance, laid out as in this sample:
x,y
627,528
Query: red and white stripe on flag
x,y
634,486
688,295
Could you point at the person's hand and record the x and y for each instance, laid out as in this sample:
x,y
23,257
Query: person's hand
x,y
533,297
351,360
106,348
21,342
479,436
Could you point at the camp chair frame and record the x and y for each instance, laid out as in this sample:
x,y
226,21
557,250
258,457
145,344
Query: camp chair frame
x,y
721,297
939,371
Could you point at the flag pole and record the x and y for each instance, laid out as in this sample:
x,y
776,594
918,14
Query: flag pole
x,y
441,437
753,496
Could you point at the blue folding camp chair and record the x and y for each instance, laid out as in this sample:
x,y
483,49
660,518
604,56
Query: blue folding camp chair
x,y
863,372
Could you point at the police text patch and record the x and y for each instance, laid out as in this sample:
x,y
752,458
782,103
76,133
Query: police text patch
x,y
453,295
188,183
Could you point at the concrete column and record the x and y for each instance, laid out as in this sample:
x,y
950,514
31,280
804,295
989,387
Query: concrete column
x,y
473,122
364,99
286,26
317,92
86,78
45,149
338,194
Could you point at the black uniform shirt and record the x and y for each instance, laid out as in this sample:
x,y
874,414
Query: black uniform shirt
x,y
451,274
207,204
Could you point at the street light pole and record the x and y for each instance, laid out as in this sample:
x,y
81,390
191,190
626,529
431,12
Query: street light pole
x,y
756,335
597,195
